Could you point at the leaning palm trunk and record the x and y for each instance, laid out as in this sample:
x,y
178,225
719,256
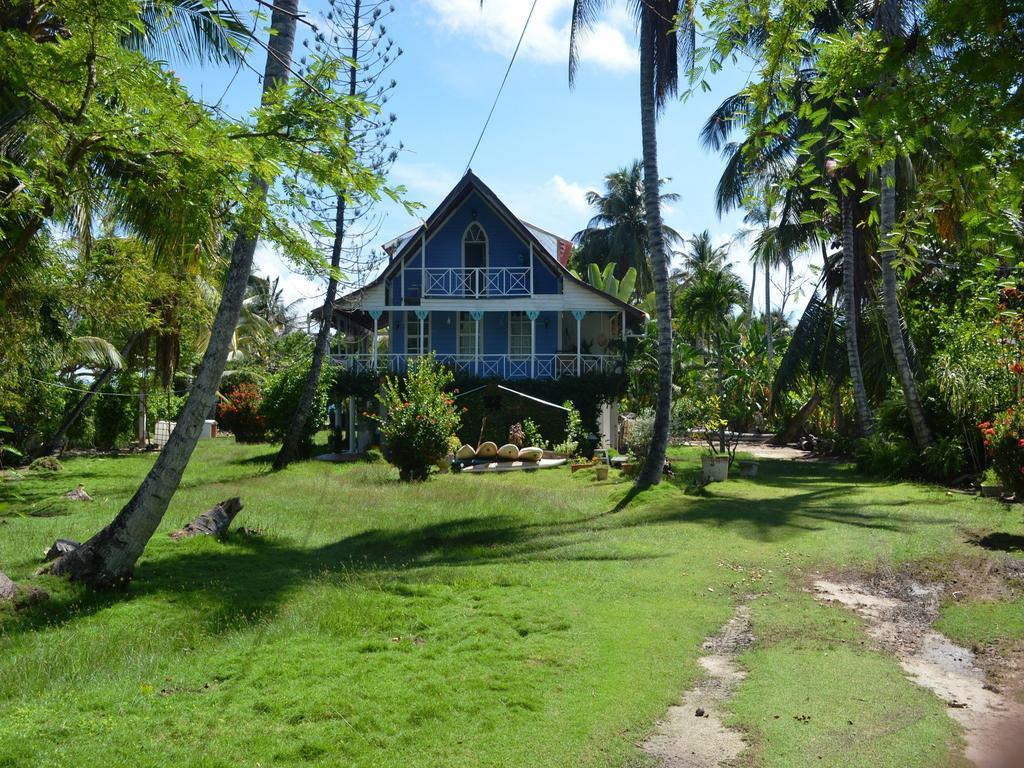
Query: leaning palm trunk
x,y
887,205
108,558
290,447
768,340
650,473
56,442
860,393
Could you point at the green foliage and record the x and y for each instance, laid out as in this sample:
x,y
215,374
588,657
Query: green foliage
x,y
373,455
240,412
575,432
1004,442
115,415
46,464
419,417
281,400
944,460
640,435
886,456
532,435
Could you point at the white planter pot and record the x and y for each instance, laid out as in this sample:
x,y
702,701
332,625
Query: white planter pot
x,y
715,469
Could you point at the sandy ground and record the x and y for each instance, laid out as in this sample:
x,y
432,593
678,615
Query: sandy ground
x,y
899,617
692,733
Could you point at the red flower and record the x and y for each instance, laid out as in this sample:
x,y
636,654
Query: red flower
x,y
1020,443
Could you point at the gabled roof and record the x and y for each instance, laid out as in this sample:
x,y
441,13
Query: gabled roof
x,y
546,243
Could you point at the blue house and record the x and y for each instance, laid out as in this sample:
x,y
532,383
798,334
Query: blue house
x,y
488,294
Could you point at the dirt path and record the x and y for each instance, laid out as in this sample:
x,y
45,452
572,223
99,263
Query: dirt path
x,y
692,733
899,616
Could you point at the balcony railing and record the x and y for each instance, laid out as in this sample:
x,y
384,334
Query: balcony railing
x,y
492,366
477,282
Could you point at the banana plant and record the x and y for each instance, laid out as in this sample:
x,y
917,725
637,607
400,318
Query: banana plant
x,y
605,280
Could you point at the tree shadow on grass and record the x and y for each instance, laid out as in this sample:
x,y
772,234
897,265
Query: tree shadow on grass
x,y
222,584
246,575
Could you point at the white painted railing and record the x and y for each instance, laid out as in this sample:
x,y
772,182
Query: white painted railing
x,y
475,282
492,366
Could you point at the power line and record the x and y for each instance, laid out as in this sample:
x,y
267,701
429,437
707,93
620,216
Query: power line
x,y
502,86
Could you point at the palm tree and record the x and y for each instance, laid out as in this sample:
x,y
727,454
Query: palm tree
x,y
618,232
770,251
769,158
889,21
109,557
701,255
705,304
186,30
667,35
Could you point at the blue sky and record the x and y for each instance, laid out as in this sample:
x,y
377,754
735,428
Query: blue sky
x,y
546,145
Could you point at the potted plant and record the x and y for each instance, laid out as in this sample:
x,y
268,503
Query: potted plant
x,y
721,446
991,487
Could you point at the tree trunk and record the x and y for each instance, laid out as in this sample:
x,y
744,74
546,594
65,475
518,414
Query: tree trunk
x,y
650,473
769,341
750,299
108,558
796,426
721,391
55,443
290,447
887,205
860,394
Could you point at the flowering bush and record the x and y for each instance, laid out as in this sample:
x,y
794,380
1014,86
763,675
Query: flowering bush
x,y
240,413
1004,442
419,416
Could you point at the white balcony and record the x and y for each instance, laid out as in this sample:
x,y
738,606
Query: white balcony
x,y
477,282
491,366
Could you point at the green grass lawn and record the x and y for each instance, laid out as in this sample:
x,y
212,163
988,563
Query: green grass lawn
x,y
509,620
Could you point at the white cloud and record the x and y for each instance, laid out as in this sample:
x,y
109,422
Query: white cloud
x,y
497,26
571,194
299,292
425,182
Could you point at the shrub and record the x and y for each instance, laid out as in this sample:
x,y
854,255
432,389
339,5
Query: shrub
x,y
419,418
1004,443
944,459
532,435
281,399
640,434
886,456
575,434
46,464
373,455
240,414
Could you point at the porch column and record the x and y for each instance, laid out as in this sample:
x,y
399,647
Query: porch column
x,y
579,314
375,314
533,315
351,425
477,316
423,314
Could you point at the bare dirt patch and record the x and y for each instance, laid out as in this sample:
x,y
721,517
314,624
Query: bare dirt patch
x,y
899,613
692,734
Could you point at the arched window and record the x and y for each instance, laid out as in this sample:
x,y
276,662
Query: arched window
x,y
474,259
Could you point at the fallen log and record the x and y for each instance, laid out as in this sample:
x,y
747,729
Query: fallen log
x,y
212,522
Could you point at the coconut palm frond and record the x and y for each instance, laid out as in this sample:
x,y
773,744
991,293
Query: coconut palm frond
x,y
190,30
97,351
